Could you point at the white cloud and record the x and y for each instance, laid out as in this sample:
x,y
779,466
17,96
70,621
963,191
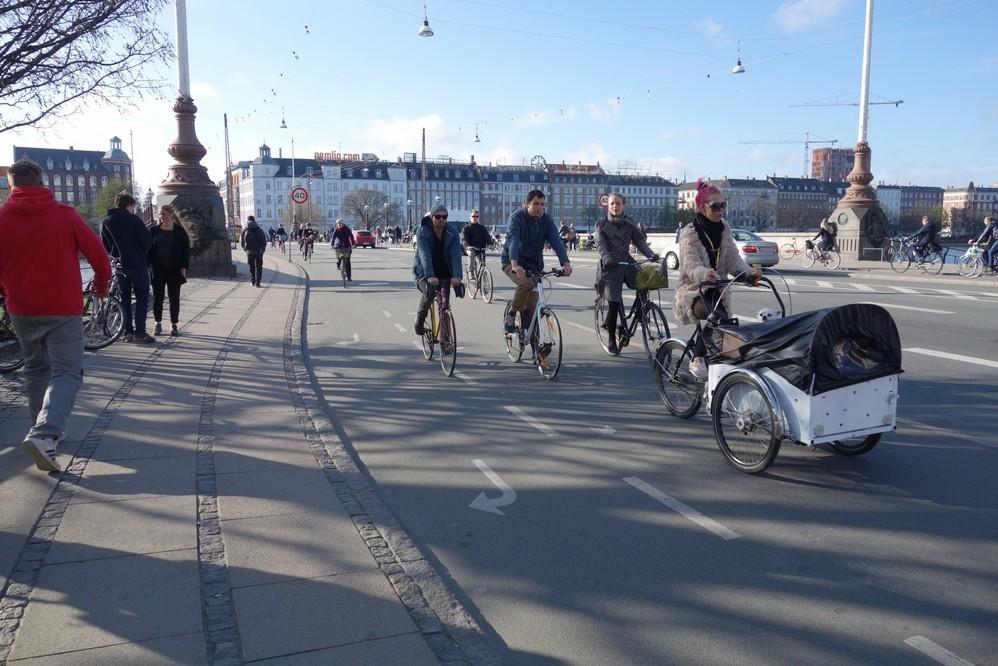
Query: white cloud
x,y
605,112
795,15
668,167
710,27
591,153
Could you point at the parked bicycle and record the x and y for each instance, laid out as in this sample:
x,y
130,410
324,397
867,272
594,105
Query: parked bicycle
x,y
441,330
543,333
898,244
103,317
931,262
644,313
830,258
481,281
11,356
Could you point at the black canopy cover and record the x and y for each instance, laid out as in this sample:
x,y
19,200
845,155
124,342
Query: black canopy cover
x,y
820,350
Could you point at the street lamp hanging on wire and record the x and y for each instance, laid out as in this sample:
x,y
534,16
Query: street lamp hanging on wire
x,y
426,30
738,69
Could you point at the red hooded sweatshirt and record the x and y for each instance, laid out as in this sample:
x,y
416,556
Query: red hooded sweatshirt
x,y
40,242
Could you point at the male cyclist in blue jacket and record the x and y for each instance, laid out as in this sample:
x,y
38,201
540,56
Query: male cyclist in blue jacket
x,y
437,263
523,251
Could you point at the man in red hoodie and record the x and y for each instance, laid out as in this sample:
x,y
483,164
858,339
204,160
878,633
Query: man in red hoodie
x,y
43,288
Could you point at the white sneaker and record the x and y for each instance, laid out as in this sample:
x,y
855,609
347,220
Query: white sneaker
x,y
698,367
42,449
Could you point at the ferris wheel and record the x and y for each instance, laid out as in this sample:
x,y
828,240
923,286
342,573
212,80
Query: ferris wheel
x,y
538,162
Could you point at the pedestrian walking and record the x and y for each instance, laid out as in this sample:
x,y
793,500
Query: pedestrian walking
x,y
128,241
169,258
43,289
254,242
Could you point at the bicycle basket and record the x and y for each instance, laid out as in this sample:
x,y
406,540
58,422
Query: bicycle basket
x,y
809,244
650,277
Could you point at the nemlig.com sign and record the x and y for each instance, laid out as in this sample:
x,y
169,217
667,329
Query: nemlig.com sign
x,y
337,157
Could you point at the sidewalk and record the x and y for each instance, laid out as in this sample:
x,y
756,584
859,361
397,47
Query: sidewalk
x,y
206,515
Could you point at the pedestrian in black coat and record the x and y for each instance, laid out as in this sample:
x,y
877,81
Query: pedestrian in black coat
x,y
169,258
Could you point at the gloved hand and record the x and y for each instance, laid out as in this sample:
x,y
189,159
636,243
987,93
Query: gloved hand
x,y
656,258
609,263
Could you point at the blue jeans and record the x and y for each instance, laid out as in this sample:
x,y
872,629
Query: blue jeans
x,y
137,281
53,369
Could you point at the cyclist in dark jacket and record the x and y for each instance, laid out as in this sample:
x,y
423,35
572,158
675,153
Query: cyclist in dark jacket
x,y
475,235
925,238
437,264
988,237
826,232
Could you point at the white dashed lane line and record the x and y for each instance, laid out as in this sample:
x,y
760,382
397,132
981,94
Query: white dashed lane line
x,y
988,363
531,421
936,651
685,510
908,307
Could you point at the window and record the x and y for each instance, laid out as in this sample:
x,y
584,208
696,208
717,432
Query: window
x,y
93,181
268,184
268,199
280,198
45,179
81,181
117,168
69,196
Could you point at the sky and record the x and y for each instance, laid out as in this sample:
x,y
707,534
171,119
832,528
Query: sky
x,y
637,85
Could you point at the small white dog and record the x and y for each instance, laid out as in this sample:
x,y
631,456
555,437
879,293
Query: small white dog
x,y
768,314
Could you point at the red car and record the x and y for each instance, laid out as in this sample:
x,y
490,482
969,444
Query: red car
x,y
363,237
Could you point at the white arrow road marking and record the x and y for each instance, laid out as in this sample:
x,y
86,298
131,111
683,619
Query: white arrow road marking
x,y
530,420
400,327
604,430
908,307
952,357
388,314
936,651
482,502
687,511
356,339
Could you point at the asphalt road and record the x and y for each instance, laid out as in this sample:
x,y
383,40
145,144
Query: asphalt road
x,y
630,539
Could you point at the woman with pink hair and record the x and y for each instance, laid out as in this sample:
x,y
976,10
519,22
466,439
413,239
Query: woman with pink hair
x,y
707,252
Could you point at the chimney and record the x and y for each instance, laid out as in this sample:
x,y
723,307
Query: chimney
x,y
280,152
70,149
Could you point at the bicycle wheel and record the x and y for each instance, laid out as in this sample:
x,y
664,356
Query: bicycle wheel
x,y
547,288
855,446
514,343
788,251
679,390
832,260
448,342
745,423
11,356
933,264
970,266
103,321
654,329
599,319
547,354
485,285
807,258
901,261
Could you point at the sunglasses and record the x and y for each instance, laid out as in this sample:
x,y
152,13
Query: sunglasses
x,y
718,206
439,217
474,217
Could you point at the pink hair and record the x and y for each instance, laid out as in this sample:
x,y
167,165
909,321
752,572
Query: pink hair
x,y
704,190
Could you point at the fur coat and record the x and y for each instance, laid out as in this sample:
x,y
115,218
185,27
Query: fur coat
x,y
694,264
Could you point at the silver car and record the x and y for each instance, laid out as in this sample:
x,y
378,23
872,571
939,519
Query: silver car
x,y
754,250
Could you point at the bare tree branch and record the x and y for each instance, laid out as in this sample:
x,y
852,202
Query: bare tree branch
x,y
55,56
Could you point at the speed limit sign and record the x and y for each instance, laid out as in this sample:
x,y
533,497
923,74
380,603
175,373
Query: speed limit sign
x,y
299,195
603,199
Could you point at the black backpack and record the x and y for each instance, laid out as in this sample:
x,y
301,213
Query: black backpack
x,y
255,240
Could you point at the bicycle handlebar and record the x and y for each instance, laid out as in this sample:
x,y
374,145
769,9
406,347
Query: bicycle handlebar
x,y
743,279
557,272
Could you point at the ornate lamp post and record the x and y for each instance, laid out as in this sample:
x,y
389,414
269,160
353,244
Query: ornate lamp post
x,y
388,208
187,186
862,223
367,217
408,204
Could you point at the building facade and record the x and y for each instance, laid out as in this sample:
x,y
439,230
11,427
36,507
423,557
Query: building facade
x,y
964,208
76,176
802,203
575,194
831,163
919,200
889,197
752,204
647,196
456,185
504,189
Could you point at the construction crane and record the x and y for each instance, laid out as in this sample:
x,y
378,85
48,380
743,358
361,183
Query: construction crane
x,y
839,102
808,142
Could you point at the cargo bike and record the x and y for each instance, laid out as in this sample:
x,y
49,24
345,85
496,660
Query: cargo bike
x,y
828,376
